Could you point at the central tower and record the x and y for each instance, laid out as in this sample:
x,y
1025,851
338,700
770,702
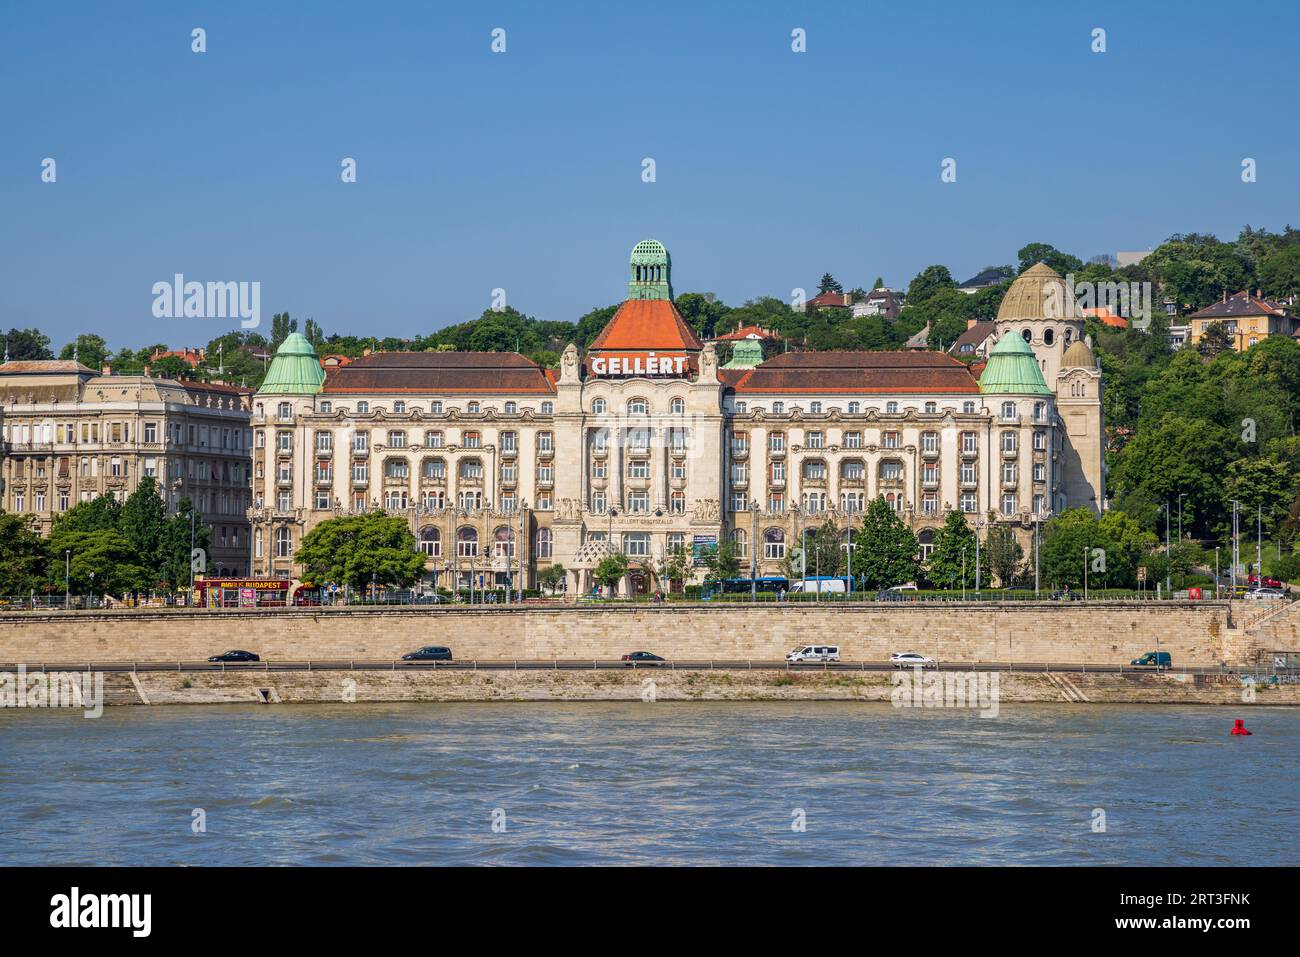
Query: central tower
x,y
651,272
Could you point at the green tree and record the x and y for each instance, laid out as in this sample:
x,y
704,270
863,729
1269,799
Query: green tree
x,y
720,562
91,350
675,565
358,549
610,570
828,284
1035,253
1076,538
99,514
22,556
954,549
141,524
551,577
885,549
1214,340
23,345
102,562
927,283
171,367
1005,554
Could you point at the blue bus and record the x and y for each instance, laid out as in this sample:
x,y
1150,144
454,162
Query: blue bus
x,y
743,586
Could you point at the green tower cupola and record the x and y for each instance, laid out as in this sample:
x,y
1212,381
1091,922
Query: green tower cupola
x,y
651,272
295,369
1012,369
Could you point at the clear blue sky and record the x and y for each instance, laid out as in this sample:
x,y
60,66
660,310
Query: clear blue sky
x,y
523,170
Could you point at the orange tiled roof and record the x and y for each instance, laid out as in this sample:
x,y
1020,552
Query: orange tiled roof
x,y
462,372
1107,317
744,332
642,325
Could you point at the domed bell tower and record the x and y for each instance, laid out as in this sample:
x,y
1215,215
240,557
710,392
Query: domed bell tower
x,y
651,272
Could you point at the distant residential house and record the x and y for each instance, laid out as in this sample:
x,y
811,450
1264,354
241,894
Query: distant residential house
x,y
992,276
192,357
1106,317
828,300
1178,336
975,341
879,302
1247,319
755,333
333,361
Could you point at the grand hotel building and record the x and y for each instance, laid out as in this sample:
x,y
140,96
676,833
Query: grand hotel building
x,y
645,444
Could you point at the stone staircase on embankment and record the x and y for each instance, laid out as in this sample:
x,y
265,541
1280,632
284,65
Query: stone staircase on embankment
x,y
1256,631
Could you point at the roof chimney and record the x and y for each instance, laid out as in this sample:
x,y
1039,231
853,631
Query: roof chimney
x,y
106,369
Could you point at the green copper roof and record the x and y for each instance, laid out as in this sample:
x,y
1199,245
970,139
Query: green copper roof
x,y
651,271
295,370
1013,369
746,354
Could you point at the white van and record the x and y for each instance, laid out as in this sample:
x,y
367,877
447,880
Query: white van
x,y
815,653
826,586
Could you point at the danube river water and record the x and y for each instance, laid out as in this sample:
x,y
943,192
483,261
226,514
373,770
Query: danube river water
x,y
661,783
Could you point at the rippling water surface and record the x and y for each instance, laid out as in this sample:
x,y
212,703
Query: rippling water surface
x,y
665,783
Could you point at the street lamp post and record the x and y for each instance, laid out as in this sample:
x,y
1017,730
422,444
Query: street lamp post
x,y
963,573
67,577
1168,560
1037,527
1181,496
1085,572
979,523
753,551
848,547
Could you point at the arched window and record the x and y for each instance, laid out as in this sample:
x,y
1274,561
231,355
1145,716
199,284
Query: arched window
x,y
433,469
1028,335
1048,337
598,406
470,469
890,470
637,407
396,468
503,542
466,542
544,543
679,406
774,543
814,469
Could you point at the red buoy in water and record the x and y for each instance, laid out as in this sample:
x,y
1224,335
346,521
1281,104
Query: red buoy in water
x,y
1239,727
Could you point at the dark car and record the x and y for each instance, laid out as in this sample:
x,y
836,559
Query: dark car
x,y
1154,659
429,653
1066,595
236,656
641,658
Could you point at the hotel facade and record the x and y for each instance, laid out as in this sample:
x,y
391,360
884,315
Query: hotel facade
x,y
69,435
646,444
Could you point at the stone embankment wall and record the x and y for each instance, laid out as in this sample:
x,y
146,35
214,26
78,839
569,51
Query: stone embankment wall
x,y
362,687
1195,633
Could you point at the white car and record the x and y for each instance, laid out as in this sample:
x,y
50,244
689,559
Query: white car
x,y
908,659
1264,594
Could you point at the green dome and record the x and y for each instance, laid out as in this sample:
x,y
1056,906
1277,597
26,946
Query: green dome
x,y
1013,369
295,369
